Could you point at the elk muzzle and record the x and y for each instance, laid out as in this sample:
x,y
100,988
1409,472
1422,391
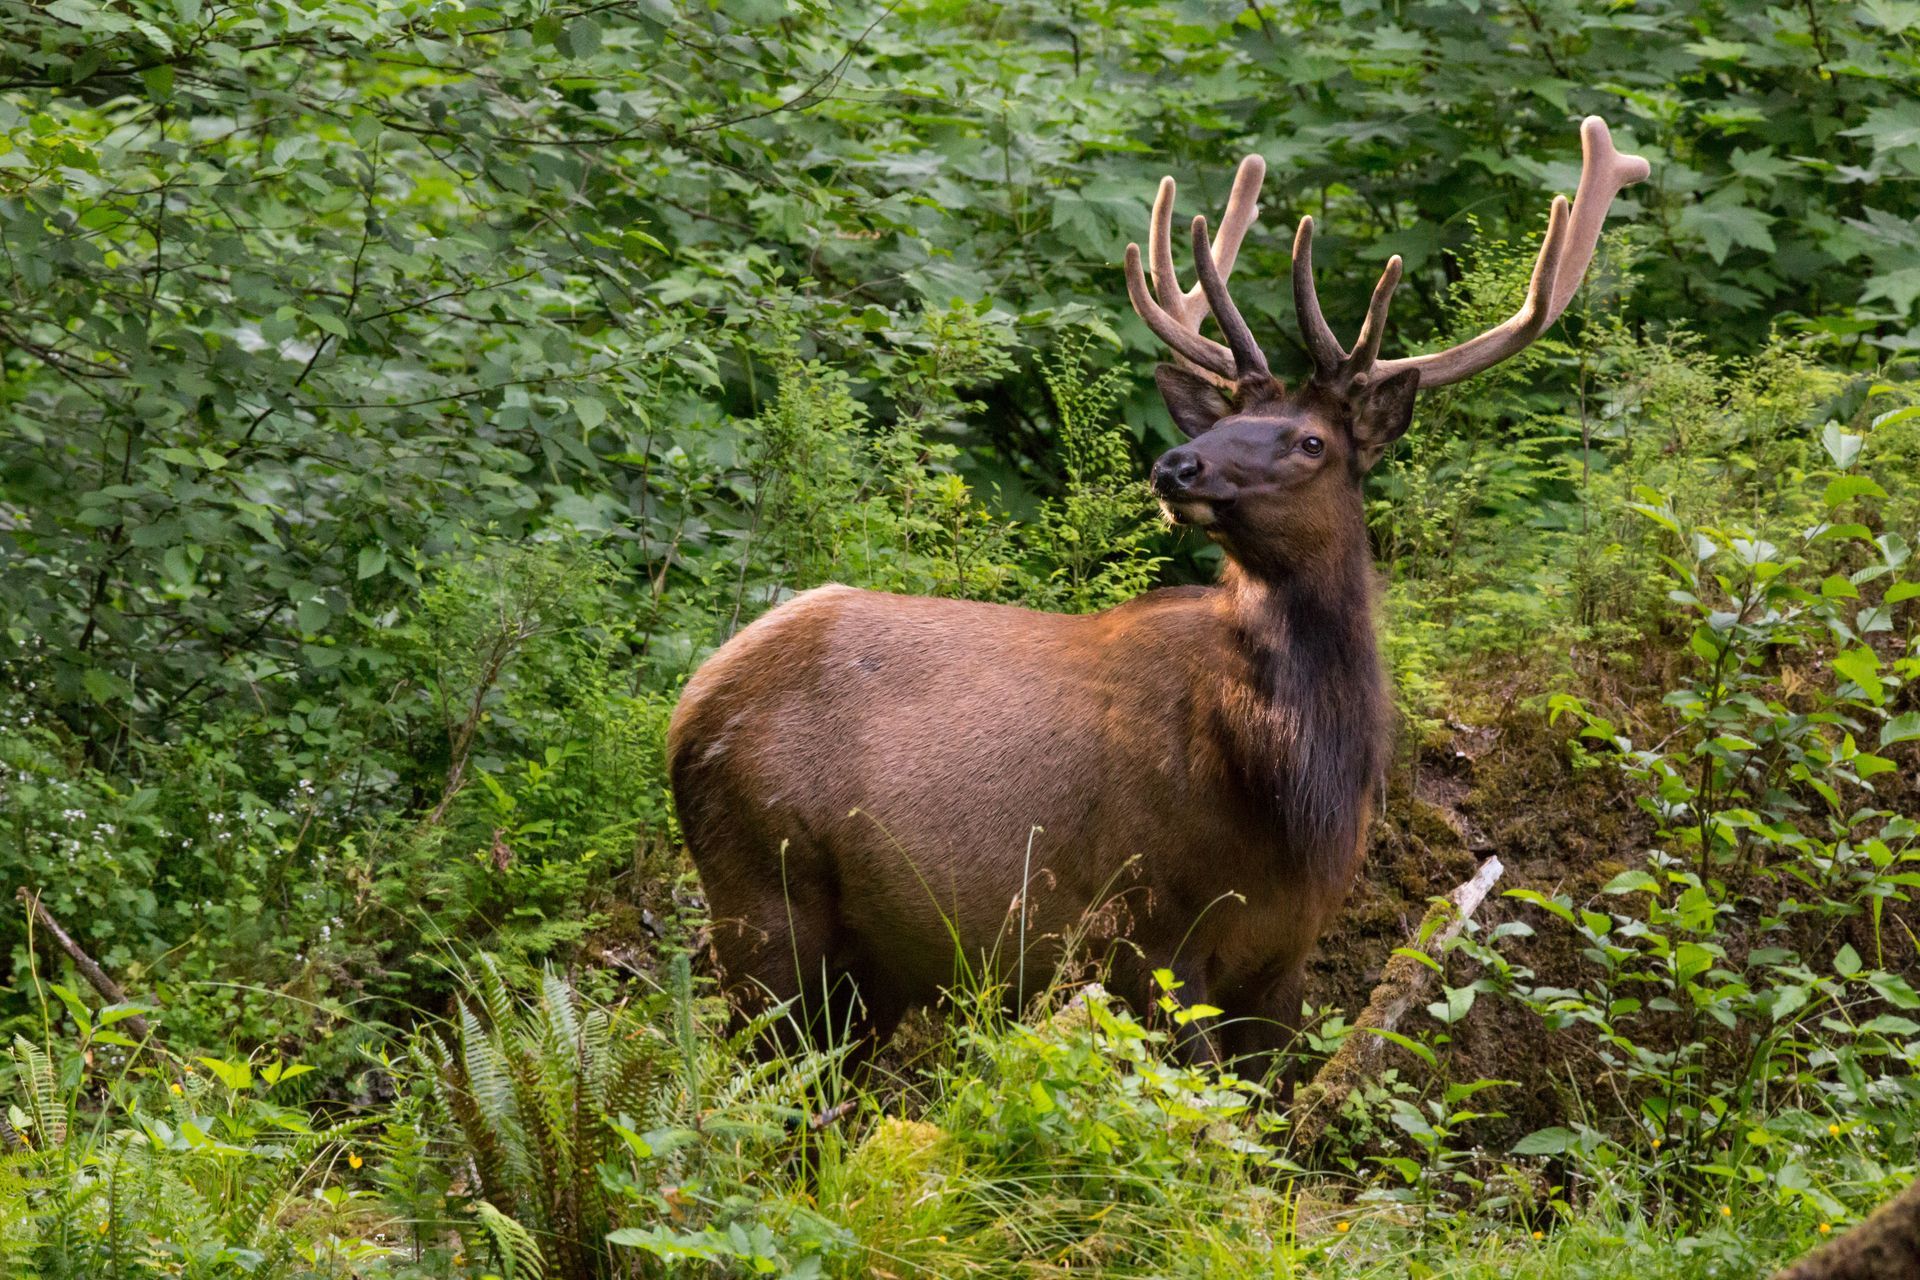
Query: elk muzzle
x,y
1181,481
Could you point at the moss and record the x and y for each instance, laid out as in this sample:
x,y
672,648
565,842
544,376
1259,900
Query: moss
x,y
1356,1060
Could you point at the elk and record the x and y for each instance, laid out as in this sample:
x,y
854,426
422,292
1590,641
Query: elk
x,y
882,793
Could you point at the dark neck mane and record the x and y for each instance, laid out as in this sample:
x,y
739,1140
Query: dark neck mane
x,y
1317,743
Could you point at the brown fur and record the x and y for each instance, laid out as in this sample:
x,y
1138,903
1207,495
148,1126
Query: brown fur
x,y
859,775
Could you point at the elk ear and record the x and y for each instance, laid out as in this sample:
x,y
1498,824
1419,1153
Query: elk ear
x,y
1382,412
1195,403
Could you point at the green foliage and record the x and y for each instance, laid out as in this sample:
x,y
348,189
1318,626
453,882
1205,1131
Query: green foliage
x,y
1097,533
1742,1032
398,400
539,1096
205,1169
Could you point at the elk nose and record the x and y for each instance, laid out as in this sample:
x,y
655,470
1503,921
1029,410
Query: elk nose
x,y
1176,472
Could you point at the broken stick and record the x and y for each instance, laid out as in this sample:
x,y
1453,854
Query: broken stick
x,y
1402,982
89,968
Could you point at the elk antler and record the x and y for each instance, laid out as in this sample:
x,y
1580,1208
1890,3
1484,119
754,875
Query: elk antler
x,y
1176,315
1567,249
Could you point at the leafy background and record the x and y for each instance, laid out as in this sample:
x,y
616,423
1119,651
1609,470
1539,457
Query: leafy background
x,y
397,400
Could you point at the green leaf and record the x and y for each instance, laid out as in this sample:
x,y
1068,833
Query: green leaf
x,y
1846,962
1551,1141
76,1009
1891,1024
1690,960
1455,1006
237,1076
1836,587
1786,1001
1408,1043
1724,223
589,411
1842,489
328,322
102,686
1900,591
118,1012
1632,882
1842,446
1862,667
1898,289
1904,727
1415,953
372,560
583,38
1891,128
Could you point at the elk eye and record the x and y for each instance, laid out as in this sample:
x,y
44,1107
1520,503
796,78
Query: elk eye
x,y
1312,446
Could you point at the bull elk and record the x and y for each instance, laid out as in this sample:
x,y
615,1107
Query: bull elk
x,y
874,786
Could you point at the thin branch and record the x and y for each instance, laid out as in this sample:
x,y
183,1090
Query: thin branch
x,y
89,968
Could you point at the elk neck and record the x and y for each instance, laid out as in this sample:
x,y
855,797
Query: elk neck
x,y
1313,727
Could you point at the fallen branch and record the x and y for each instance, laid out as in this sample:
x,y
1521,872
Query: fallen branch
x,y
89,968
1403,981
1886,1244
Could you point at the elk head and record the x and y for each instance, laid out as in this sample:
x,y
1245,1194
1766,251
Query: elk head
x,y
1275,475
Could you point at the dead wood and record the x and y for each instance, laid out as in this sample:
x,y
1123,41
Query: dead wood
x,y
89,968
1402,982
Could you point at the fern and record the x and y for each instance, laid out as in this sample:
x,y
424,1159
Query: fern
x,y
20,1180
534,1089
44,1105
513,1245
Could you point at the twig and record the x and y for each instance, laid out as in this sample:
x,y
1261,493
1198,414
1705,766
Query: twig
x,y
1404,980
109,990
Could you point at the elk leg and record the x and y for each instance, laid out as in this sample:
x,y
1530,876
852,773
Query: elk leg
x,y
1197,1042
774,950
1265,1025
1133,976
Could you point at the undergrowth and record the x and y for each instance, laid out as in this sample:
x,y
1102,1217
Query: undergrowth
x,y
405,909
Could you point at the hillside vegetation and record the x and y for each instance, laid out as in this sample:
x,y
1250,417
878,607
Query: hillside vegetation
x,y
398,400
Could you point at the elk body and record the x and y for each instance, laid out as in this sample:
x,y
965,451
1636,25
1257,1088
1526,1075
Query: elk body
x,y
883,794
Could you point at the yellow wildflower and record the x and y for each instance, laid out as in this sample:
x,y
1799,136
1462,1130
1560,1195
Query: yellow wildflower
x,y
1539,1235
353,1160
1343,1226
1833,1130
1825,1227
1726,1211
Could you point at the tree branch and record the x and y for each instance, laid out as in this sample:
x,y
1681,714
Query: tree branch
x,y
1404,980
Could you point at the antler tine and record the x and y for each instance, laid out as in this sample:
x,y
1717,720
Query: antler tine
x,y
1205,353
1249,361
1603,173
1506,339
1189,306
1572,236
1328,356
1177,302
1243,207
1366,348
1186,309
